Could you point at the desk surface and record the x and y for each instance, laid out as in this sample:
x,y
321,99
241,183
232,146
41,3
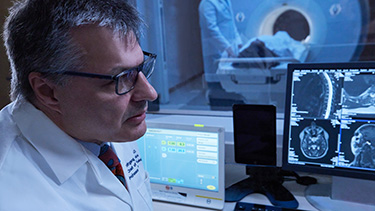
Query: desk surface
x,y
252,198
235,173
233,176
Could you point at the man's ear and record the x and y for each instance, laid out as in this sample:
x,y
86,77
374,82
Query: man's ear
x,y
44,91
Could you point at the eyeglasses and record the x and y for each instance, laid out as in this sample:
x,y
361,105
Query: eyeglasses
x,y
125,81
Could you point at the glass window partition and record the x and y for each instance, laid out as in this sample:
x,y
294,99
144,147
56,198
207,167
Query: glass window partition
x,y
214,53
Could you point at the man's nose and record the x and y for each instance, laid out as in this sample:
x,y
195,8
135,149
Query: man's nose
x,y
143,90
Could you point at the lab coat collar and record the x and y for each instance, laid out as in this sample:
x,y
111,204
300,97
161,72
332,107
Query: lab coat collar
x,y
62,153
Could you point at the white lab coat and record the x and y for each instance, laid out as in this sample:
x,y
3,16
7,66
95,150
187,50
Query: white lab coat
x,y
42,168
218,32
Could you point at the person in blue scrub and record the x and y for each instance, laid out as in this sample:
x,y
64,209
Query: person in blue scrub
x,y
220,38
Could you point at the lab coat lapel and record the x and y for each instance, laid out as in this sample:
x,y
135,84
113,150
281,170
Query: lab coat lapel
x,y
64,161
108,180
63,154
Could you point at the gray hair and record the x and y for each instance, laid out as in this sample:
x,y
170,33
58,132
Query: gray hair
x,y
37,38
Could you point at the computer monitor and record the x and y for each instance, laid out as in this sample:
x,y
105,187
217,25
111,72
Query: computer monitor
x,y
254,131
330,126
185,163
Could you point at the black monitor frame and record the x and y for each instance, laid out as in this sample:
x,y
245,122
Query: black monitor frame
x,y
335,171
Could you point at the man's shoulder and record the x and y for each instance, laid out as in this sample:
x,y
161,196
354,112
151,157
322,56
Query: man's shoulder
x,y
8,131
5,114
7,122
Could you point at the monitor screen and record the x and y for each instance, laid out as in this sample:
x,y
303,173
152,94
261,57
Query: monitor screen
x,y
185,163
330,119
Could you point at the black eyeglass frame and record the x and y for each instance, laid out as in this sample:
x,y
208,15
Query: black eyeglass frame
x,y
139,68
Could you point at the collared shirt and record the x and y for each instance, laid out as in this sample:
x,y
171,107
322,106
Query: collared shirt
x,y
92,147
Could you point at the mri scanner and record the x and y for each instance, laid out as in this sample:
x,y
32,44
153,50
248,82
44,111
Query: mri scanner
x,y
331,30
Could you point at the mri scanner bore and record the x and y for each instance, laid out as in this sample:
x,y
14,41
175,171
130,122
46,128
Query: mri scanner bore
x,y
333,30
314,30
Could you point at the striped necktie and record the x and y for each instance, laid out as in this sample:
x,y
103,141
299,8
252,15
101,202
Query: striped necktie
x,y
113,162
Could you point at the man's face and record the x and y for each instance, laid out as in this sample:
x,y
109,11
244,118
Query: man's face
x,y
90,110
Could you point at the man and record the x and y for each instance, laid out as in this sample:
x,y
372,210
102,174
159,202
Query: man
x,y
220,38
79,80
218,33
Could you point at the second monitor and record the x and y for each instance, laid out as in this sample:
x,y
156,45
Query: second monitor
x,y
255,134
254,129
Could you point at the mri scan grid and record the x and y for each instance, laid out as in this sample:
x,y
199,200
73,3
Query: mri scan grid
x,y
333,118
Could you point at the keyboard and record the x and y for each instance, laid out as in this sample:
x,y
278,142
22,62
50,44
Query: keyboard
x,y
245,206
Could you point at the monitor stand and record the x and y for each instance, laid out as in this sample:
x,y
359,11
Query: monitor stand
x,y
343,194
264,180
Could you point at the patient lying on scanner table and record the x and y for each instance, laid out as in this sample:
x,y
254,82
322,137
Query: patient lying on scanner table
x,y
258,73
278,45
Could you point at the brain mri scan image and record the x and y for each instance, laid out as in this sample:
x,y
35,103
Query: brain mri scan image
x,y
330,118
314,141
363,146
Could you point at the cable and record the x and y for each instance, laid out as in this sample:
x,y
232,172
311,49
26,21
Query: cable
x,y
304,180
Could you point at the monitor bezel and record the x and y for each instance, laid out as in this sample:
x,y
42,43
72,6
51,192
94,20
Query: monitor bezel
x,y
336,171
